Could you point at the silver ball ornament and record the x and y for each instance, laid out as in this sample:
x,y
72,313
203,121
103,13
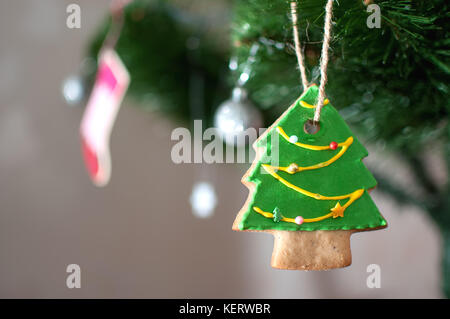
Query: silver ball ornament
x,y
203,200
234,116
73,90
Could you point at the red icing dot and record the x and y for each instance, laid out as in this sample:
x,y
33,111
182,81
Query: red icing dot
x,y
333,145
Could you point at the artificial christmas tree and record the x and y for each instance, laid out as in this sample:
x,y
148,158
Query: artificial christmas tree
x,y
317,195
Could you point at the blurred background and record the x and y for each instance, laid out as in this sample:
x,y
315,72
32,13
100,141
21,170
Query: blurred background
x,y
138,237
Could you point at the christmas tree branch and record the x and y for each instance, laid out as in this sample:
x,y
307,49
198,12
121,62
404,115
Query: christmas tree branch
x,y
418,169
397,192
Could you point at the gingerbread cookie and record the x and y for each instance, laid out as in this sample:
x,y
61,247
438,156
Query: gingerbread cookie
x,y
309,190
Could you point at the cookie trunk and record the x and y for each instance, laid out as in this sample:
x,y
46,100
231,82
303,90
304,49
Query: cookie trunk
x,y
311,250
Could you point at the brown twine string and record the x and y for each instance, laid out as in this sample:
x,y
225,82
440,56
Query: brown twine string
x,y
298,49
323,58
117,20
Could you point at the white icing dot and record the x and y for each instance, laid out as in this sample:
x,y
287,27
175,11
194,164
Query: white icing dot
x,y
293,139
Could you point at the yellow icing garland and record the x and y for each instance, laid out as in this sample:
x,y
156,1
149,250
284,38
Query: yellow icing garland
x,y
310,106
292,220
337,210
345,145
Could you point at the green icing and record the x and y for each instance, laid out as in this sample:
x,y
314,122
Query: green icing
x,y
344,176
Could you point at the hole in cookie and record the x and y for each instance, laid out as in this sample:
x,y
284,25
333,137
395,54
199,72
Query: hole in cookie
x,y
311,127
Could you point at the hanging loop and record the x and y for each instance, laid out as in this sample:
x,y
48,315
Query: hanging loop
x,y
323,58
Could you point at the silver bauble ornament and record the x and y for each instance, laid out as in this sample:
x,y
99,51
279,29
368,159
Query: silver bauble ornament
x,y
203,200
234,116
73,90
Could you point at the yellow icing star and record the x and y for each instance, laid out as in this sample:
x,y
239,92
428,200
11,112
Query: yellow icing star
x,y
338,211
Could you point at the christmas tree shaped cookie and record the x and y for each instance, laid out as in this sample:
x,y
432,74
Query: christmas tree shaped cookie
x,y
309,190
